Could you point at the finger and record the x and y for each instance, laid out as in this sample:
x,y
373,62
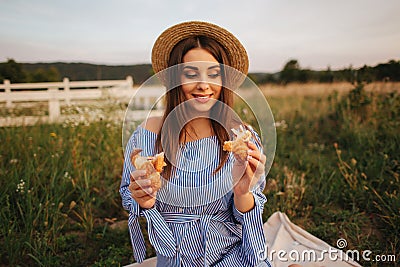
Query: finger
x,y
138,184
254,154
146,198
255,165
140,193
252,146
254,172
141,183
250,167
257,155
253,150
150,192
137,174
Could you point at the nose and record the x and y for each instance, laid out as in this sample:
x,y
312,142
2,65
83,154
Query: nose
x,y
203,85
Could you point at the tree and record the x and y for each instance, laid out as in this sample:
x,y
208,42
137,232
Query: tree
x,y
388,71
45,75
13,71
290,72
365,74
326,76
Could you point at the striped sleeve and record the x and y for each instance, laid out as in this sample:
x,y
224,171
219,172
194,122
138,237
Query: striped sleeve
x,y
253,239
129,204
160,236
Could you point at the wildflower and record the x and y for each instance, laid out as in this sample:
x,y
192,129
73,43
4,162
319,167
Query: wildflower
x,y
52,134
281,124
353,161
13,161
67,175
21,187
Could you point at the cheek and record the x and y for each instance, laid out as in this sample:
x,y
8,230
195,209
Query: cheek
x,y
217,89
187,88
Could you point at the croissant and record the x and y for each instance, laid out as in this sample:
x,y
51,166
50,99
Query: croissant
x,y
152,165
238,146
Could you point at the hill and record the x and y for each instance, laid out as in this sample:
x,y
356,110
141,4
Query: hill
x,y
86,71
292,72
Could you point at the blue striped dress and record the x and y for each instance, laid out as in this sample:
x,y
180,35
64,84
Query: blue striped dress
x,y
194,221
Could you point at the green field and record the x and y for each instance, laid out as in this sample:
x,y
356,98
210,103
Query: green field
x,y
336,173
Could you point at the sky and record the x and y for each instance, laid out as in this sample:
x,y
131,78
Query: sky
x,y
317,33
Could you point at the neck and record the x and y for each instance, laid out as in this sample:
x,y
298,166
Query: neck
x,y
197,129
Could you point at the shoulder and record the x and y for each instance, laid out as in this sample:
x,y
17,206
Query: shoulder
x,y
152,124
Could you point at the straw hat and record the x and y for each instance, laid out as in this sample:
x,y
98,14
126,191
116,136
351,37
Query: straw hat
x,y
172,36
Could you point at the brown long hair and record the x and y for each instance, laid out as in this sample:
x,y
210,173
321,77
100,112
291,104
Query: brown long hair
x,y
174,97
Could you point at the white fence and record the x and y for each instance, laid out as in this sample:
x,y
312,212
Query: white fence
x,y
59,93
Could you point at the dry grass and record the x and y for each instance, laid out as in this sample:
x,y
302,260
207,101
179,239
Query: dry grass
x,y
315,89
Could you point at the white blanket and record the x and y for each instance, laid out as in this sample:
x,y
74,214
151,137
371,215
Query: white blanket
x,y
287,243
299,246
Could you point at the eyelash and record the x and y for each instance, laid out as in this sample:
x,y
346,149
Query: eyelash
x,y
214,75
192,76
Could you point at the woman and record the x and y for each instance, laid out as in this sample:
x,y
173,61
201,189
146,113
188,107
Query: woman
x,y
209,209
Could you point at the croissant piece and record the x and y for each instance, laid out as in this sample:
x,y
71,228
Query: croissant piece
x,y
239,145
152,165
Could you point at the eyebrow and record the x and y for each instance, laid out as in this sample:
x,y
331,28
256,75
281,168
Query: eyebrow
x,y
196,68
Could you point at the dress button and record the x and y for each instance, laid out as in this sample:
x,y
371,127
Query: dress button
x,y
180,209
177,249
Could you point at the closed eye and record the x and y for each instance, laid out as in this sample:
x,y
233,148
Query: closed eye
x,y
214,75
190,75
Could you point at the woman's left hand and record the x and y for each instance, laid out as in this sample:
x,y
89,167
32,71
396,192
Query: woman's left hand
x,y
247,173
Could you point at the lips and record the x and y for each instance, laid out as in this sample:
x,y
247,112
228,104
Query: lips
x,y
202,98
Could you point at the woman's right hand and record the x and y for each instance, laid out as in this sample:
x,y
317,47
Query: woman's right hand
x,y
141,189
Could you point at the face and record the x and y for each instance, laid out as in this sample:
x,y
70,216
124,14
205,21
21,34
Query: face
x,y
201,79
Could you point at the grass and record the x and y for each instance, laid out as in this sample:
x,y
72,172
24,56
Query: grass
x,y
58,188
335,173
336,170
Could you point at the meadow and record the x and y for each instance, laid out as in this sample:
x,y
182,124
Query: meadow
x,y
336,174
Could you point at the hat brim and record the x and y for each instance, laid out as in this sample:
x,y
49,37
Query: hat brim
x,y
172,36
